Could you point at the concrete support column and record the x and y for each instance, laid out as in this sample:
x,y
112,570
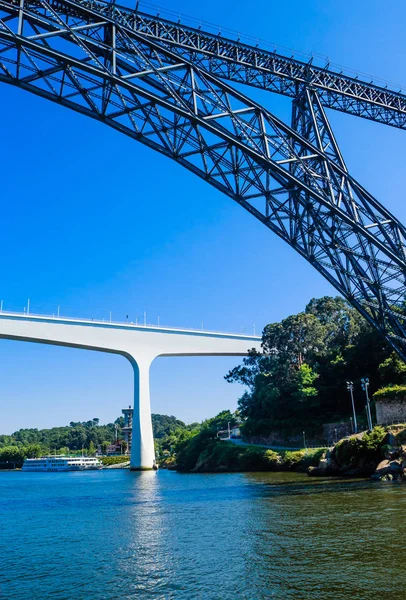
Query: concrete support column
x,y
142,444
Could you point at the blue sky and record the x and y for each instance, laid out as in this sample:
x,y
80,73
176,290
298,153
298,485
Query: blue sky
x,y
93,222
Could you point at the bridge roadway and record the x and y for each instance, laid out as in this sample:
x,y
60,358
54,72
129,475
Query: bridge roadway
x,y
139,344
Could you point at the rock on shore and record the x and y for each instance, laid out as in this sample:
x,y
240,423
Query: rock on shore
x,y
378,453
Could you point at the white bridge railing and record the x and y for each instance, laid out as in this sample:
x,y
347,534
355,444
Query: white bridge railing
x,y
137,323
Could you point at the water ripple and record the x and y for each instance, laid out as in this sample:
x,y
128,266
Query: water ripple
x,y
134,536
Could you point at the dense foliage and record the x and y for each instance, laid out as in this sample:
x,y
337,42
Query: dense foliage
x,y
365,447
391,392
163,425
184,446
204,451
14,455
222,456
114,460
300,380
75,436
87,435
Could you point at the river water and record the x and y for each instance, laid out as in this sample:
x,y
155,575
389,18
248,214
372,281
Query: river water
x,y
119,535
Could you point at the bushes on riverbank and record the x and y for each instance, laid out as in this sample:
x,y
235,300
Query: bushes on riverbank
x,y
391,392
114,460
366,447
201,451
12,457
218,456
379,453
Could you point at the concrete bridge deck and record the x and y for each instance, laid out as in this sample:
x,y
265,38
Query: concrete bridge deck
x,y
140,344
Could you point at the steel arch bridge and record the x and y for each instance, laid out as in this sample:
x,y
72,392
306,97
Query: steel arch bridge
x,y
165,85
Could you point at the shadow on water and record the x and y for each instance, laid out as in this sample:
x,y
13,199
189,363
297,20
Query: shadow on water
x,y
286,483
300,484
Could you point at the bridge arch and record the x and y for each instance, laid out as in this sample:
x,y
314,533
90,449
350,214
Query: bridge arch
x,y
79,54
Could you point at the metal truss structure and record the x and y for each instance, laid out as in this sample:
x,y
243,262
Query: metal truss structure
x,y
163,84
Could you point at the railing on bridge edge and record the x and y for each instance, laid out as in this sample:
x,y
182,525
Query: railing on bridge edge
x,y
127,323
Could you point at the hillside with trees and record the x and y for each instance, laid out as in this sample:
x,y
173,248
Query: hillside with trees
x,y
86,435
75,436
297,383
300,380
163,425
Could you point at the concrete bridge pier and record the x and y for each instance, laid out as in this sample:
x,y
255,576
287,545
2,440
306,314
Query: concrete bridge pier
x,y
139,344
142,443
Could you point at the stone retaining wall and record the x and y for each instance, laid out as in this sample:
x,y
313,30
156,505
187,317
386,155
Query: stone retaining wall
x,y
390,411
326,435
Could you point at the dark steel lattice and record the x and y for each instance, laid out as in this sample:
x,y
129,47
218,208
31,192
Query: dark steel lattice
x,y
235,61
89,57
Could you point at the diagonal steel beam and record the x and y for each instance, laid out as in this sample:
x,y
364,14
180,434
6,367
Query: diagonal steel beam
x,y
291,179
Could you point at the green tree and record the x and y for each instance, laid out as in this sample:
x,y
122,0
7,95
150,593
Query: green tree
x,y
222,420
295,340
305,380
342,323
13,455
253,366
192,447
392,370
163,425
92,449
300,380
33,451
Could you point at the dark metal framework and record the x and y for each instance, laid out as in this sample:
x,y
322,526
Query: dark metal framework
x,y
124,69
235,61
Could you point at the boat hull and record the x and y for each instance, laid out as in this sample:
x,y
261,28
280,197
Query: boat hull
x,y
59,469
55,464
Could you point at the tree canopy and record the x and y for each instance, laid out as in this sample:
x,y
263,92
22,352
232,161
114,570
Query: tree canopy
x,y
300,379
163,425
86,434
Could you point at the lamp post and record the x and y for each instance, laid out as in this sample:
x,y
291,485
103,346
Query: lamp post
x,y
364,385
350,388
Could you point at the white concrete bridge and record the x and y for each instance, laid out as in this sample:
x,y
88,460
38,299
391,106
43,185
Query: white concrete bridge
x,y
139,344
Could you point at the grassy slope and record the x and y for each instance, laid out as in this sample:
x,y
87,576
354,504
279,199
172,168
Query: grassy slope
x,y
222,456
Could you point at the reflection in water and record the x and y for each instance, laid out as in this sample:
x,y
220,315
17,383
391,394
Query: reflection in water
x,y
325,538
147,532
116,534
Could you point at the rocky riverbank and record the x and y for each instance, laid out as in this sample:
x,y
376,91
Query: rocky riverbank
x,y
379,454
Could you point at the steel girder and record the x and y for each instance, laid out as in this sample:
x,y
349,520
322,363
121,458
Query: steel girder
x,y
235,61
291,179
310,120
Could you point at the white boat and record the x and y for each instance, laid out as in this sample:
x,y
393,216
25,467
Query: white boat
x,y
62,463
